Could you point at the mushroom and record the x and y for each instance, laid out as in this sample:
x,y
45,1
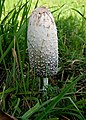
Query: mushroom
x,y
42,44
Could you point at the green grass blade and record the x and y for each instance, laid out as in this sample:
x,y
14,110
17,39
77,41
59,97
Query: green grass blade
x,y
31,111
36,4
2,51
58,8
79,13
1,7
6,52
16,107
76,108
7,16
76,115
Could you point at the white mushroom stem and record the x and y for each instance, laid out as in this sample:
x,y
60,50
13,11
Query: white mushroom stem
x,y
45,83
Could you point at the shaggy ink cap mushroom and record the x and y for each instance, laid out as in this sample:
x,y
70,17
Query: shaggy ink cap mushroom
x,y
42,42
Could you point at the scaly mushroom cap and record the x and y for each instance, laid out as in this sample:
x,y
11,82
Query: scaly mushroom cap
x,y
42,42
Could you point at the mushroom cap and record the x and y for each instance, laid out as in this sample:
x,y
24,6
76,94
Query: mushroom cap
x,y
42,42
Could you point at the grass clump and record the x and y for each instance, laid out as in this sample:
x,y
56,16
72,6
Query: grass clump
x,y
66,92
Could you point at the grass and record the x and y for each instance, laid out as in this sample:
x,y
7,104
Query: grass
x,y
66,93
